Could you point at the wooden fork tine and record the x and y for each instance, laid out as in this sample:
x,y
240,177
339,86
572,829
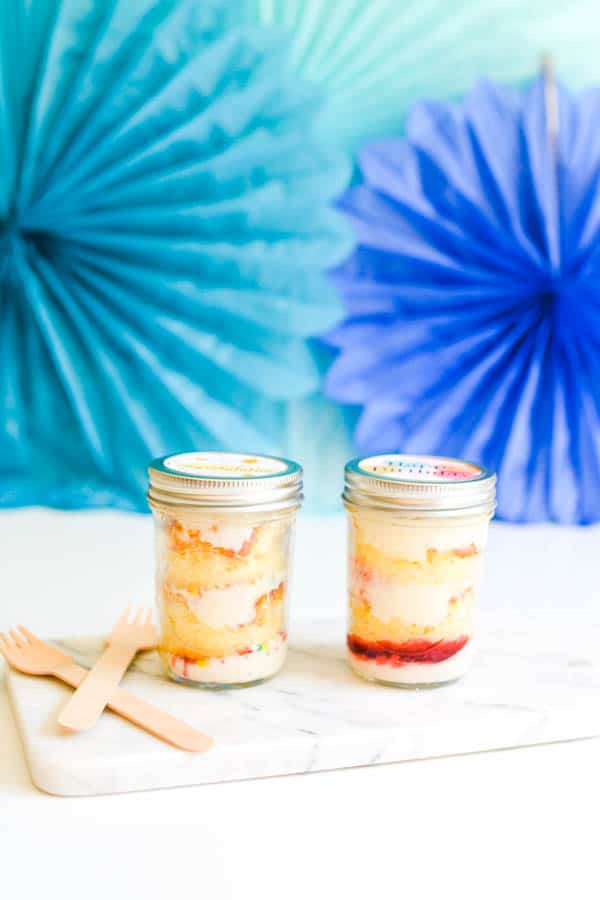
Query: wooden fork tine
x,y
17,639
30,637
139,618
148,620
7,648
125,617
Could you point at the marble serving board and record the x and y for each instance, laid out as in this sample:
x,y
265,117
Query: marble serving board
x,y
527,687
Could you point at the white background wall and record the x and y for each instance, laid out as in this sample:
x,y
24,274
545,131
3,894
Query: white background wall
x,y
67,573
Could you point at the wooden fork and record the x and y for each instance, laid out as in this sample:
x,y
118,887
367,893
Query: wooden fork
x,y
133,632
23,651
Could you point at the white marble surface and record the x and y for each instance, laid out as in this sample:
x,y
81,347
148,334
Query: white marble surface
x,y
528,686
519,823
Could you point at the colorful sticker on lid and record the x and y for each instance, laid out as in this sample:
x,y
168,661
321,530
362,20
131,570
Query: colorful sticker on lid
x,y
225,465
400,467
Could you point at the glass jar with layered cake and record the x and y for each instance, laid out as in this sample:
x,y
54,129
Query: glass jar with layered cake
x,y
224,527
417,533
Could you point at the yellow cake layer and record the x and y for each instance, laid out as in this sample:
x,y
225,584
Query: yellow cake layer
x,y
458,622
185,635
205,566
438,568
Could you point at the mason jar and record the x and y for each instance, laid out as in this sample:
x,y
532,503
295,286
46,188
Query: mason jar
x,y
418,528
224,525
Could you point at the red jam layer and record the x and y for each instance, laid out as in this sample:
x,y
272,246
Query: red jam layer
x,y
386,653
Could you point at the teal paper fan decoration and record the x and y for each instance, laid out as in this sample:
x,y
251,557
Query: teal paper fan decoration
x,y
376,58
165,227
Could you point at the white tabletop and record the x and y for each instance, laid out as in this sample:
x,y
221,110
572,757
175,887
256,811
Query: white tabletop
x,y
519,823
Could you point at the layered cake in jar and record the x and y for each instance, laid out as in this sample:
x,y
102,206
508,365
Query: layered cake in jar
x,y
224,534
418,529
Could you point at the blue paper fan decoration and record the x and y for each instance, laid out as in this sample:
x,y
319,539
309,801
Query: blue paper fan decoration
x,y
378,57
473,297
164,227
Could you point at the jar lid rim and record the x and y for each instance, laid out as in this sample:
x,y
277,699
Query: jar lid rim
x,y
288,466
226,479
412,482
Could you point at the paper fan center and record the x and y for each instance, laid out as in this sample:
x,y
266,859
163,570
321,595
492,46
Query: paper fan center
x,y
559,305
19,241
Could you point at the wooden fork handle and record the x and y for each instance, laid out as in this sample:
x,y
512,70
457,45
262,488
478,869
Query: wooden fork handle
x,y
143,714
85,706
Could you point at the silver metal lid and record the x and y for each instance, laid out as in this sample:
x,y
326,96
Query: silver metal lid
x,y
419,486
232,481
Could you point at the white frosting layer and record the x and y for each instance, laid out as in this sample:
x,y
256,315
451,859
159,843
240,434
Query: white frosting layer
x,y
412,540
233,669
226,535
417,603
415,673
231,606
